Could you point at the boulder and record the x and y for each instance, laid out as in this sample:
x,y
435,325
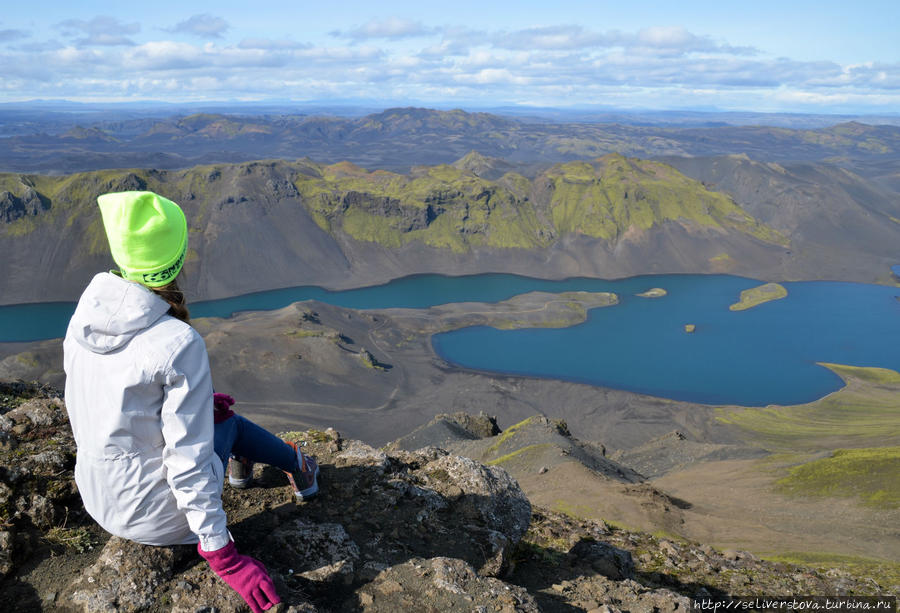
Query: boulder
x,y
441,584
605,559
125,577
322,554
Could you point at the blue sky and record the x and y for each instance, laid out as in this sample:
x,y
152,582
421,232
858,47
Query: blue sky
x,y
787,56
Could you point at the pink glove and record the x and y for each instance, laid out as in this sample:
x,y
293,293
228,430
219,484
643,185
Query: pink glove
x,y
222,404
246,576
222,401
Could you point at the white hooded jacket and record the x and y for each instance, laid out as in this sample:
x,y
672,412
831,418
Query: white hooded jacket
x,y
140,399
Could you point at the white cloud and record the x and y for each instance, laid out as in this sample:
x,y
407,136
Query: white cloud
x,y
164,55
203,25
492,76
560,64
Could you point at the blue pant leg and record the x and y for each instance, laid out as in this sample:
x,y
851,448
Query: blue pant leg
x,y
260,445
224,435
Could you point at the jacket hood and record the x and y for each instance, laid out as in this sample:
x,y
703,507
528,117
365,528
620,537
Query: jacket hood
x,y
111,311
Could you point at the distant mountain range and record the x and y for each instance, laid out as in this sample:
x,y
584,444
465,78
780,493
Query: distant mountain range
x,y
397,139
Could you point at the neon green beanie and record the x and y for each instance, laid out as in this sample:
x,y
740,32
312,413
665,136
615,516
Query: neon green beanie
x,y
147,235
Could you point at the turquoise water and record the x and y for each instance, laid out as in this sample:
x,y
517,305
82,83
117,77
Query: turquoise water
x,y
763,355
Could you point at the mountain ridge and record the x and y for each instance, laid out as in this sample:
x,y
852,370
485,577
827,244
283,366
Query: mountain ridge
x,y
340,225
328,224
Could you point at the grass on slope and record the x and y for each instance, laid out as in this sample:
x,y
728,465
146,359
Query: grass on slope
x,y
441,206
872,474
449,207
859,424
864,413
884,573
508,433
606,197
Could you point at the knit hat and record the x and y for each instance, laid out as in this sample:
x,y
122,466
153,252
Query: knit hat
x,y
147,235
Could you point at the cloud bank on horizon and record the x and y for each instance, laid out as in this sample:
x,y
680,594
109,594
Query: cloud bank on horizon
x,y
217,56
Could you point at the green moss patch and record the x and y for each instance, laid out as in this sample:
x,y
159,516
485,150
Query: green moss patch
x,y
508,433
884,573
872,474
758,295
880,376
524,453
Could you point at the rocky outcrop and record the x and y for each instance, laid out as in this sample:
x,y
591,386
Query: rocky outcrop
x,y
29,204
441,584
392,531
446,428
404,218
36,486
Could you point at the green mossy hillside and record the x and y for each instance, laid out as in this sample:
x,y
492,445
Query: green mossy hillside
x,y
613,195
859,423
865,413
451,207
441,206
445,206
872,474
70,201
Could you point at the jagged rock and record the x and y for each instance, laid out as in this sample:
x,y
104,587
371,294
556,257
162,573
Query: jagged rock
x,y
6,552
357,453
319,553
447,428
6,493
13,207
405,218
607,560
125,577
42,512
8,440
599,593
441,584
35,412
130,182
491,503
486,493
282,188
201,591
33,202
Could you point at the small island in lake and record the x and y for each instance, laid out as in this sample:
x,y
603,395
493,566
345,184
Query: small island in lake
x,y
655,292
757,295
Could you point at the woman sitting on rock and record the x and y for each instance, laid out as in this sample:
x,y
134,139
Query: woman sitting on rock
x,y
152,437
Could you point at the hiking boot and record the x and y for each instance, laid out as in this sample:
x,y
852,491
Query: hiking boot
x,y
305,479
240,472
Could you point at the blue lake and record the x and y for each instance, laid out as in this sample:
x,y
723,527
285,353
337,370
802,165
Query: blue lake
x,y
763,355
